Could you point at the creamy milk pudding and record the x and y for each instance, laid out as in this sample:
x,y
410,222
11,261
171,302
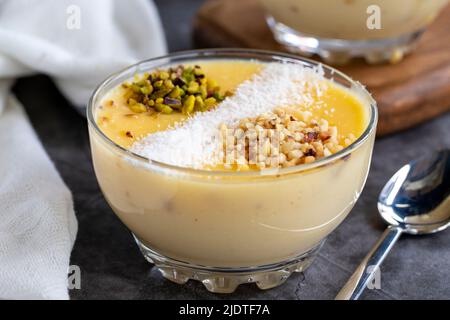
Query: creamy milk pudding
x,y
289,158
348,20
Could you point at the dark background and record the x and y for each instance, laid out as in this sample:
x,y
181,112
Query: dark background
x,y
112,266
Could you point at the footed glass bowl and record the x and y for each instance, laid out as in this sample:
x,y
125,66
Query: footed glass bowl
x,y
338,30
228,228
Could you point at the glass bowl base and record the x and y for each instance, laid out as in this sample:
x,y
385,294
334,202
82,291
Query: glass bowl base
x,y
226,280
339,52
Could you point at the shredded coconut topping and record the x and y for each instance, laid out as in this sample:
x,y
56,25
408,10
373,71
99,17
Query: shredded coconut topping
x,y
191,144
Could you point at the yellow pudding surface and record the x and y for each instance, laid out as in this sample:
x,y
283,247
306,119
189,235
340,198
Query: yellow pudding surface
x,y
115,120
338,105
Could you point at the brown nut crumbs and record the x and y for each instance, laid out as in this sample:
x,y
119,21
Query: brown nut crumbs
x,y
299,139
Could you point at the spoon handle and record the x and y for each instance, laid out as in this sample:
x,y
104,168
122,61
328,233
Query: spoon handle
x,y
371,263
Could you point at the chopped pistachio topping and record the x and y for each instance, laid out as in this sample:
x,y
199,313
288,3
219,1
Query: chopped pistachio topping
x,y
180,89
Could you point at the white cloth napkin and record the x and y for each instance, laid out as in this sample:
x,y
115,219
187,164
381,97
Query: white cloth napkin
x,y
78,43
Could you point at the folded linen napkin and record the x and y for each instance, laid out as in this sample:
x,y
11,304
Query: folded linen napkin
x,y
78,43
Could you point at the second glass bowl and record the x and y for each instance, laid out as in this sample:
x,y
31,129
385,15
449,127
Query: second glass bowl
x,y
338,30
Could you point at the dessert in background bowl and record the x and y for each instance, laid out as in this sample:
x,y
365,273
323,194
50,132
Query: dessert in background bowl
x,y
338,30
231,166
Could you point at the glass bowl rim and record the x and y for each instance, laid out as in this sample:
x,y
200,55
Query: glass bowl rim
x,y
234,53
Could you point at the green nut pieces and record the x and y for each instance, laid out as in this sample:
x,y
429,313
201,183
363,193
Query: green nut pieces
x,y
189,104
178,89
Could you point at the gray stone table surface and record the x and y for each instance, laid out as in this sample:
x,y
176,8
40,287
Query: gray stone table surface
x,y
113,268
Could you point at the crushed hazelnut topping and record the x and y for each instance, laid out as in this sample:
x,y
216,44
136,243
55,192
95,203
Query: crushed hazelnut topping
x,y
285,138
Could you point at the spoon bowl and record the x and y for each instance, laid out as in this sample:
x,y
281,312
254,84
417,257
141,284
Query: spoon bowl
x,y
416,200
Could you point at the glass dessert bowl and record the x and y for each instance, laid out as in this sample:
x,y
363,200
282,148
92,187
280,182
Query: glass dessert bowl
x,y
338,30
225,225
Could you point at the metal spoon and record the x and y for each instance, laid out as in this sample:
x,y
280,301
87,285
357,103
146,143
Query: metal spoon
x,y
416,200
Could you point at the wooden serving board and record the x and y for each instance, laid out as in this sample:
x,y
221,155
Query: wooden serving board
x,y
408,93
